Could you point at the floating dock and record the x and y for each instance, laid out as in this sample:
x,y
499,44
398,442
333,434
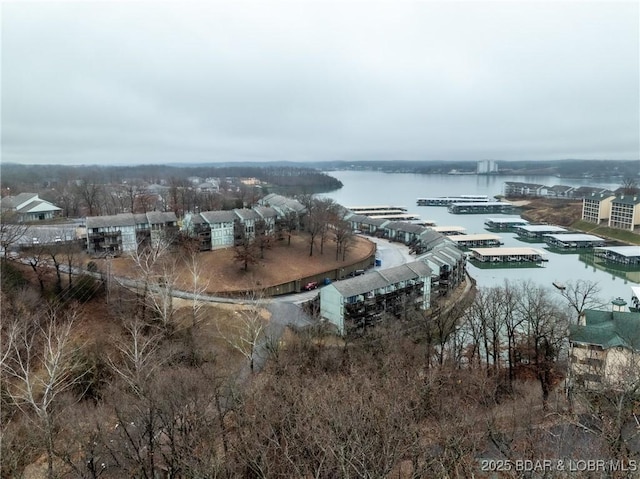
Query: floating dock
x,y
625,255
447,200
384,212
395,217
365,210
570,240
469,241
538,231
507,255
480,207
506,223
450,230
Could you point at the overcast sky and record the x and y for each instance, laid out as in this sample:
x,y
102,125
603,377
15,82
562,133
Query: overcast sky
x,y
151,82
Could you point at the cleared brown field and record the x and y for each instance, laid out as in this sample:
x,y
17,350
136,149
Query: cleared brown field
x,y
282,263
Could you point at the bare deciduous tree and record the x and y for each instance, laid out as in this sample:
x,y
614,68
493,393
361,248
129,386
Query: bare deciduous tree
x,y
43,366
247,331
11,231
138,356
582,294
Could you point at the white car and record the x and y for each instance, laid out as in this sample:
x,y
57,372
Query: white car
x,y
35,241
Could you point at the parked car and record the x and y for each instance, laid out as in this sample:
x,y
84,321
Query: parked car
x,y
310,286
35,241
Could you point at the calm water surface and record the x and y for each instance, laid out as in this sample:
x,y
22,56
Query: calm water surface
x,y
363,188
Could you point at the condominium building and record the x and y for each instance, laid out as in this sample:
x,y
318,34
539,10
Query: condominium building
x,y
625,212
596,207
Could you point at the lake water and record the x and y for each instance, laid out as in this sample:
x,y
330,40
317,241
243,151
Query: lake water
x,y
365,188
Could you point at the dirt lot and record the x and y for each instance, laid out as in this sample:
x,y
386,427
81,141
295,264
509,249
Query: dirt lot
x,y
282,263
556,212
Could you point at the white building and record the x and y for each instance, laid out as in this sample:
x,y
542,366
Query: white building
x,y
29,207
486,167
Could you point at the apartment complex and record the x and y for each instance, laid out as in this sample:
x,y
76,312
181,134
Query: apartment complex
x,y
363,299
596,208
617,211
124,232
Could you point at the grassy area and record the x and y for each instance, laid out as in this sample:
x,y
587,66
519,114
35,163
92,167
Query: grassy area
x,y
609,233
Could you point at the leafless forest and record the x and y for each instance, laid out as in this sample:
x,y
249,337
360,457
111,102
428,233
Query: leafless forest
x,y
126,384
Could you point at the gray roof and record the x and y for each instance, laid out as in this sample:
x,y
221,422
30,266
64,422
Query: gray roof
x,y
627,199
122,219
159,217
265,211
34,204
356,218
246,214
590,190
378,222
14,201
560,188
524,185
283,203
404,226
219,216
382,278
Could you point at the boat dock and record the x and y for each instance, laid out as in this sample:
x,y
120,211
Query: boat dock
x,y
363,209
480,207
384,212
570,240
468,241
447,200
450,230
507,255
506,223
625,255
538,231
395,217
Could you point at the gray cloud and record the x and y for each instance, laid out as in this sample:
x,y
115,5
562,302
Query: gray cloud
x,y
153,82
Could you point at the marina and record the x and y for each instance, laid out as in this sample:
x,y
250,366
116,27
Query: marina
x,y
404,188
571,240
482,239
480,207
507,255
447,200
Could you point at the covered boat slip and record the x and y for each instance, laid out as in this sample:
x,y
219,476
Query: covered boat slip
x,y
571,240
505,223
538,231
447,200
468,241
450,230
507,255
482,207
395,217
363,209
625,255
